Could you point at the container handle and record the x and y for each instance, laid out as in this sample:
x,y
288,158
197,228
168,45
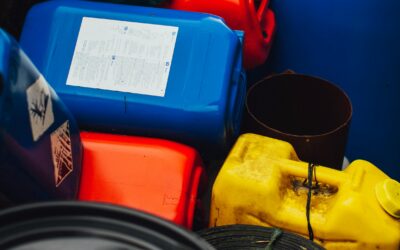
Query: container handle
x,y
262,10
266,20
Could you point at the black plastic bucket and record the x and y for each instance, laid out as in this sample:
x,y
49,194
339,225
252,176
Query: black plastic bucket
x,y
310,113
250,237
89,226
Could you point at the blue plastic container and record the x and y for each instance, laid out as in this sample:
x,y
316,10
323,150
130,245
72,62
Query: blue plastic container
x,y
40,147
146,71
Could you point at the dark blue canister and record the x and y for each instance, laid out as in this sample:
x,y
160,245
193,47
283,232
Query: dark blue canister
x,y
40,147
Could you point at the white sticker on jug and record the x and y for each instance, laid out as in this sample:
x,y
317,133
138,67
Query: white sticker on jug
x,y
61,153
40,107
123,56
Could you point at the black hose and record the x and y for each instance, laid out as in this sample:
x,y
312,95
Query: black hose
x,y
254,237
311,167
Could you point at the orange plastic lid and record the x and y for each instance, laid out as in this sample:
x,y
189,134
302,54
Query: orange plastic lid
x,y
154,175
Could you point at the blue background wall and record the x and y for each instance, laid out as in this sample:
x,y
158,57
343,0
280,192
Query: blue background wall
x,y
356,45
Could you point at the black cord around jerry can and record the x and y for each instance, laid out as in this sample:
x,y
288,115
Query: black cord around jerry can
x,y
250,237
309,184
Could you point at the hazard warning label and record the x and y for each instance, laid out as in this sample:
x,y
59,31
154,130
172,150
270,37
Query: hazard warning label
x,y
62,153
39,107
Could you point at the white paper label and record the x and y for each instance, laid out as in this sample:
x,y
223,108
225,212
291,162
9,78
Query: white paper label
x,y
40,107
123,56
61,153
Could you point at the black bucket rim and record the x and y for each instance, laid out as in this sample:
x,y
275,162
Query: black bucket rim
x,y
328,83
122,222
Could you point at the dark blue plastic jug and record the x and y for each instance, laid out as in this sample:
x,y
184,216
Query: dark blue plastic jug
x,y
146,71
40,148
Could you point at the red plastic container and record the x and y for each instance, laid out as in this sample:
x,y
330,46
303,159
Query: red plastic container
x,y
258,25
153,175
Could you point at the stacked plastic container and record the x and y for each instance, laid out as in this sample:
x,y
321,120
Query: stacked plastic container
x,y
143,81
148,72
143,71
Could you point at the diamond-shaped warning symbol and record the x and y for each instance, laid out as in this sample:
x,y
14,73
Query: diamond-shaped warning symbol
x,y
40,107
62,153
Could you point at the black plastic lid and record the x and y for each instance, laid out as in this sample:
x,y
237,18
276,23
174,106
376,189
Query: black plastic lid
x,y
80,225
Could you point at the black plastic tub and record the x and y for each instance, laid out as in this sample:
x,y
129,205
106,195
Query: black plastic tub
x,y
79,225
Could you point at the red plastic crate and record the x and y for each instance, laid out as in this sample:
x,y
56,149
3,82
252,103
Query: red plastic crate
x,y
153,175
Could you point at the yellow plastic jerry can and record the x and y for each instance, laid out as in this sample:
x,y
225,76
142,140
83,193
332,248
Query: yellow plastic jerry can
x,y
262,182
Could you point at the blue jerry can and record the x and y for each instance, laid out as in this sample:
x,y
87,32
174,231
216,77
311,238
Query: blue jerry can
x,y
40,147
146,71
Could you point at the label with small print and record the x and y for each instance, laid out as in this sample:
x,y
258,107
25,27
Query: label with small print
x,y
123,56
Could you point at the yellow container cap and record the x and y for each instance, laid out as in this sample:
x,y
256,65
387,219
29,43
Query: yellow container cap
x,y
388,194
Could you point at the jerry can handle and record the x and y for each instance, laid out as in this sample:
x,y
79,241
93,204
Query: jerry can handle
x,y
327,176
266,21
237,90
262,10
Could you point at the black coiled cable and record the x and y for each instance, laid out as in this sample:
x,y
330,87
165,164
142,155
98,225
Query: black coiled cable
x,y
250,237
